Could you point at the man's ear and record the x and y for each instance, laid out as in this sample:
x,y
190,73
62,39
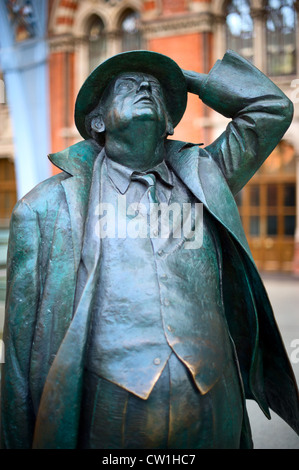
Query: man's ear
x,y
169,127
97,124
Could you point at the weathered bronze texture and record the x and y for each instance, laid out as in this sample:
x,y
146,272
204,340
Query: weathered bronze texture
x,y
145,341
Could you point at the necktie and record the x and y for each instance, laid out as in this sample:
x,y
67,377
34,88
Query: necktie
x,y
149,180
148,204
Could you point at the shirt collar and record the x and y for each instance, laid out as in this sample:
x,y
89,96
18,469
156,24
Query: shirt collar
x,y
121,174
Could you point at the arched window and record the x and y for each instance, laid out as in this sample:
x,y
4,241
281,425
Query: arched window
x,y
97,41
281,37
130,31
239,28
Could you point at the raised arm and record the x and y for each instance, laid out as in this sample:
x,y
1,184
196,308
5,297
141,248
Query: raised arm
x,y
17,417
261,113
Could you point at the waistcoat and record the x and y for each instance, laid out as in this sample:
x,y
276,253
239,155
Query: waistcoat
x,y
156,297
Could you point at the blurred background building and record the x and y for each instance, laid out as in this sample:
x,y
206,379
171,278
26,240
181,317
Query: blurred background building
x,y
51,47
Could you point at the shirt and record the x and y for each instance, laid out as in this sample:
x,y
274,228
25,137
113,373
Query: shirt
x,y
120,175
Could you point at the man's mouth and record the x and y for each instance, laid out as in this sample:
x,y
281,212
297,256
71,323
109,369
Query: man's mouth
x,y
145,98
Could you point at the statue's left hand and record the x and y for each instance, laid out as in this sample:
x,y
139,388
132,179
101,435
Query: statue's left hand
x,y
194,81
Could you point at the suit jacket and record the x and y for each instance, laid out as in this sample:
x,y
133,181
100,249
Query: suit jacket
x,y
46,329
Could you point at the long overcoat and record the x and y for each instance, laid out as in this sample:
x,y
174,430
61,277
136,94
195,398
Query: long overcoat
x,y
45,331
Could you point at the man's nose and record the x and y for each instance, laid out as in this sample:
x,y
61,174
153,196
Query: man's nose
x,y
145,86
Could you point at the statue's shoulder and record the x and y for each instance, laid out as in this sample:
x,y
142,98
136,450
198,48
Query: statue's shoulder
x,y
76,160
48,192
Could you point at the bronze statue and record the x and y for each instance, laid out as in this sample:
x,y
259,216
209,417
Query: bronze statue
x,y
119,337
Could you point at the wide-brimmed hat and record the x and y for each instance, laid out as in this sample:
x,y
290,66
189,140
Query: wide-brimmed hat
x,y
160,66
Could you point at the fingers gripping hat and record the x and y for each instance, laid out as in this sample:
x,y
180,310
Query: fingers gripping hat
x,y
160,66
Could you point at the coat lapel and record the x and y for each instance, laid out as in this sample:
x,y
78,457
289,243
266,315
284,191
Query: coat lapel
x,y
202,176
77,161
77,210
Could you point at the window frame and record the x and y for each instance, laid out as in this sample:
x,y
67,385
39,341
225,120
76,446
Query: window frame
x,y
258,13
123,34
93,62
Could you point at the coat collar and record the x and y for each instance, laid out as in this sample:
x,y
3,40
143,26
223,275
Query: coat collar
x,y
192,164
77,159
121,175
201,174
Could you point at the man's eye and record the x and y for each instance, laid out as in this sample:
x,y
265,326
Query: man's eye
x,y
127,85
155,86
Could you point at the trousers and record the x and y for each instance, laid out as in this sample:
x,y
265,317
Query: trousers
x,y
175,416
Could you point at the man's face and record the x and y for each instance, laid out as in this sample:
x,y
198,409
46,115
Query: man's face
x,y
133,97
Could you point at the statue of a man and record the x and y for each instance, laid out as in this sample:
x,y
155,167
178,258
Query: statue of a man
x,y
116,335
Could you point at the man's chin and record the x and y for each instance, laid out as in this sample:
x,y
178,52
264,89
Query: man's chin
x,y
144,112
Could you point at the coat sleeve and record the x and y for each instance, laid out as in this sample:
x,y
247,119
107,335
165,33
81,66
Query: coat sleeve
x,y
17,417
261,113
